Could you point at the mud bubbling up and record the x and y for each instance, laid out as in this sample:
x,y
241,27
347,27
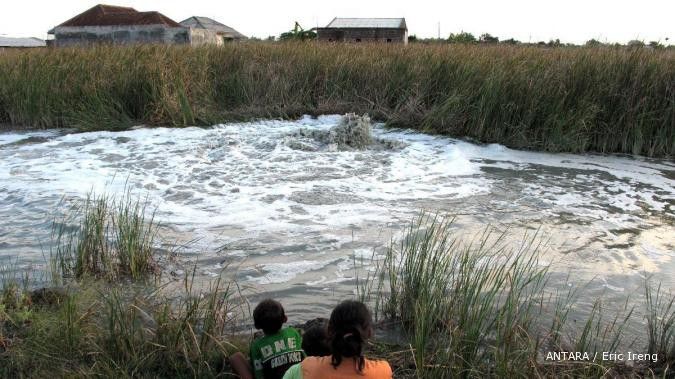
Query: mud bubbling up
x,y
295,205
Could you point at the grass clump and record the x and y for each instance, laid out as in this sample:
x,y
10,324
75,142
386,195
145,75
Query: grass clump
x,y
600,99
485,308
466,307
114,237
108,331
660,317
101,318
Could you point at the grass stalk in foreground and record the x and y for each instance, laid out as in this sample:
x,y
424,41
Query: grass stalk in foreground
x,y
485,309
660,318
94,324
114,237
111,330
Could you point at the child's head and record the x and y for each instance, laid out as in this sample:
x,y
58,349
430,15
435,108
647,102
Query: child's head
x,y
269,316
315,341
349,327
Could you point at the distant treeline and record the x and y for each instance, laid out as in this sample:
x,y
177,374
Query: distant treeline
x,y
468,38
584,99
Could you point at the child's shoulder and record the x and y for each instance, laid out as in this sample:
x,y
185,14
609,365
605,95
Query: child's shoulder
x,y
290,330
283,333
286,332
378,366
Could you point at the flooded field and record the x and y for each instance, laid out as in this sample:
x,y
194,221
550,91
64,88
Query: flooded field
x,y
293,214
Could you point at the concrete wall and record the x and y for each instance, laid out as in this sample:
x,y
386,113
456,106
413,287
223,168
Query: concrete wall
x,y
200,37
363,35
88,35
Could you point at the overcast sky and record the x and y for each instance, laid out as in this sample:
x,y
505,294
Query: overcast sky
x,y
526,20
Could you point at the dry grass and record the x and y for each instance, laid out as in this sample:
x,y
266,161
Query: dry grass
x,y
564,99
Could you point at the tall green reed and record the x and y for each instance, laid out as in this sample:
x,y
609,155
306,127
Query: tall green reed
x,y
104,329
112,237
565,99
660,317
487,307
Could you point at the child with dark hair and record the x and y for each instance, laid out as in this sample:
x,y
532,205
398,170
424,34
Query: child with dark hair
x,y
315,341
272,354
349,328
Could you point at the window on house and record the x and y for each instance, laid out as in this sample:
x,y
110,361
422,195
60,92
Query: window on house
x,y
330,40
357,40
388,39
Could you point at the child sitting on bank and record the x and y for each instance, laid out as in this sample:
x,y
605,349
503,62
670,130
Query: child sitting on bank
x,y
315,341
349,328
272,354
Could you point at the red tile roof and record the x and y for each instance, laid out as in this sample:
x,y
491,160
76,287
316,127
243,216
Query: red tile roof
x,y
109,15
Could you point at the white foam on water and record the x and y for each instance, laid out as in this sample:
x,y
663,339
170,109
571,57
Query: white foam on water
x,y
274,273
244,176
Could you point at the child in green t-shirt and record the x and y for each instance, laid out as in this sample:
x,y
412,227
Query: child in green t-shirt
x,y
272,354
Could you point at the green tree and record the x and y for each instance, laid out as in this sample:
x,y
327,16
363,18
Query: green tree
x,y
511,41
593,43
461,37
554,43
656,45
297,34
488,38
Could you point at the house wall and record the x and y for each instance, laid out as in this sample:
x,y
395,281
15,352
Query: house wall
x,y
363,35
200,37
88,35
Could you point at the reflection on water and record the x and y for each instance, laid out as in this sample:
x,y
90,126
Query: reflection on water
x,y
292,218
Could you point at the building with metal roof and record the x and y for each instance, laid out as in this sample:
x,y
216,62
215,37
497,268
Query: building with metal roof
x,y
118,25
392,30
224,32
376,23
21,43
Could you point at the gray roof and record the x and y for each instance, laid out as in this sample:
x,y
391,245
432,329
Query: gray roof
x,y
21,42
377,23
198,22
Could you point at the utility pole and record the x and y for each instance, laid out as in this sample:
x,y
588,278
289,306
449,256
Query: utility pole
x,y
439,30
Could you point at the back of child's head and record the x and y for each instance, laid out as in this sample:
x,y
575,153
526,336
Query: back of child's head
x,y
349,327
315,341
269,316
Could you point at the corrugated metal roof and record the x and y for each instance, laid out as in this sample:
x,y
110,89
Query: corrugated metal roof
x,y
109,15
378,23
21,42
200,22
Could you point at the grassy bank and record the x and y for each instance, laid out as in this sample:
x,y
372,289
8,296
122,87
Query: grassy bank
x,y
487,308
107,312
470,309
563,99
98,329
